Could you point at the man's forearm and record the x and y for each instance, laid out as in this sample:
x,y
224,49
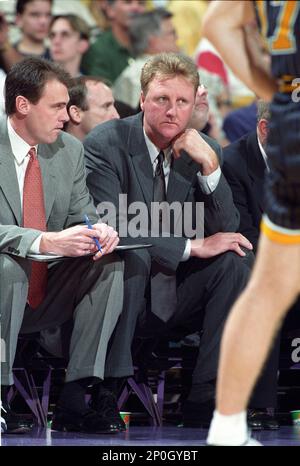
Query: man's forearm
x,y
225,27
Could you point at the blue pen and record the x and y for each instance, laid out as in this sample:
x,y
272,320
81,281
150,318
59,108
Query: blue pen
x,y
89,225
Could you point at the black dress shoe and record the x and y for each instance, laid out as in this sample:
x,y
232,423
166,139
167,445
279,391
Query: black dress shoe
x,y
90,422
105,403
197,414
261,420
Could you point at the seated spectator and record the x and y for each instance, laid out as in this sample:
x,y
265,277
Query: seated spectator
x,y
69,40
245,162
91,103
108,56
8,54
202,119
33,18
150,33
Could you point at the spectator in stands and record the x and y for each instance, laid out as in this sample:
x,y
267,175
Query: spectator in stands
x,y
8,54
33,18
245,162
109,55
150,33
69,40
202,119
91,103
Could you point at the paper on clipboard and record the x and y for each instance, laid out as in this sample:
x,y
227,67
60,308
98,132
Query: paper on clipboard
x,y
54,257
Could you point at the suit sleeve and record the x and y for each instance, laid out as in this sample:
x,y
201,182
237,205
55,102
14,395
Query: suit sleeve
x,y
247,226
221,214
81,202
16,240
106,179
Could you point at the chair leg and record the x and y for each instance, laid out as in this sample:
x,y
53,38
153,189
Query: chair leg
x,y
46,393
123,396
43,412
161,393
27,392
145,395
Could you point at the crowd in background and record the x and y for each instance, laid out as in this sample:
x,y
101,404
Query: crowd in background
x,y
113,39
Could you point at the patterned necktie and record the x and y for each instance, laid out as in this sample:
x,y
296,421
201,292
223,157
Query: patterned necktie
x,y
34,217
159,186
163,281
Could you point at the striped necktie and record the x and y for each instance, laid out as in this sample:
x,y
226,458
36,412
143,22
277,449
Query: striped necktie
x,y
163,281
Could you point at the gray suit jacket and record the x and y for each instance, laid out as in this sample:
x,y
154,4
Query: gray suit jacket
x,y
118,162
66,196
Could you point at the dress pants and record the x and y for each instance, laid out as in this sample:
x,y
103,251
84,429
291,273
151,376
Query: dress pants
x,y
89,292
206,290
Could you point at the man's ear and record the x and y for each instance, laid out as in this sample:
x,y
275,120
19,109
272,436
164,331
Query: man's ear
x,y
75,114
22,105
142,100
83,45
263,129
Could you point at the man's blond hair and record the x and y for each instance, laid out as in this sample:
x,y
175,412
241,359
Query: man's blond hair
x,y
169,65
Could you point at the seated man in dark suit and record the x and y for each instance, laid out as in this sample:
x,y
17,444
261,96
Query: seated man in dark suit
x,y
184,282
44,198
245,162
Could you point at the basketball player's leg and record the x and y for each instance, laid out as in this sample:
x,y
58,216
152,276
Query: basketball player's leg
x,y
248,335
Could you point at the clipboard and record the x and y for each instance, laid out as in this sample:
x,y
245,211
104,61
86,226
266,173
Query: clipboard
x,y
54,257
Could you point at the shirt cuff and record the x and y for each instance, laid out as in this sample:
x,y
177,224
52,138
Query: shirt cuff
x,y
187,251
209,183
35,247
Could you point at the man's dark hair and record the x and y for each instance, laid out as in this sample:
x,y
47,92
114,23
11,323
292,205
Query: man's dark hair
x,y
77,24
145,25
21,5
78,90
28,78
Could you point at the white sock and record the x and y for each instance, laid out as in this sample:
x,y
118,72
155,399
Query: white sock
x,y
228,430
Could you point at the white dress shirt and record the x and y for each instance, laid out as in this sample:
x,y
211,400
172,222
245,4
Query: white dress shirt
x,y
263,152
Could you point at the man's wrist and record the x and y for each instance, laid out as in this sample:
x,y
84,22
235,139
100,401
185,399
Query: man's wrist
x,y
46,243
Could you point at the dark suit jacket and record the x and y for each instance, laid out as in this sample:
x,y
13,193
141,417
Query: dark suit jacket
x,y
118,162
244,168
